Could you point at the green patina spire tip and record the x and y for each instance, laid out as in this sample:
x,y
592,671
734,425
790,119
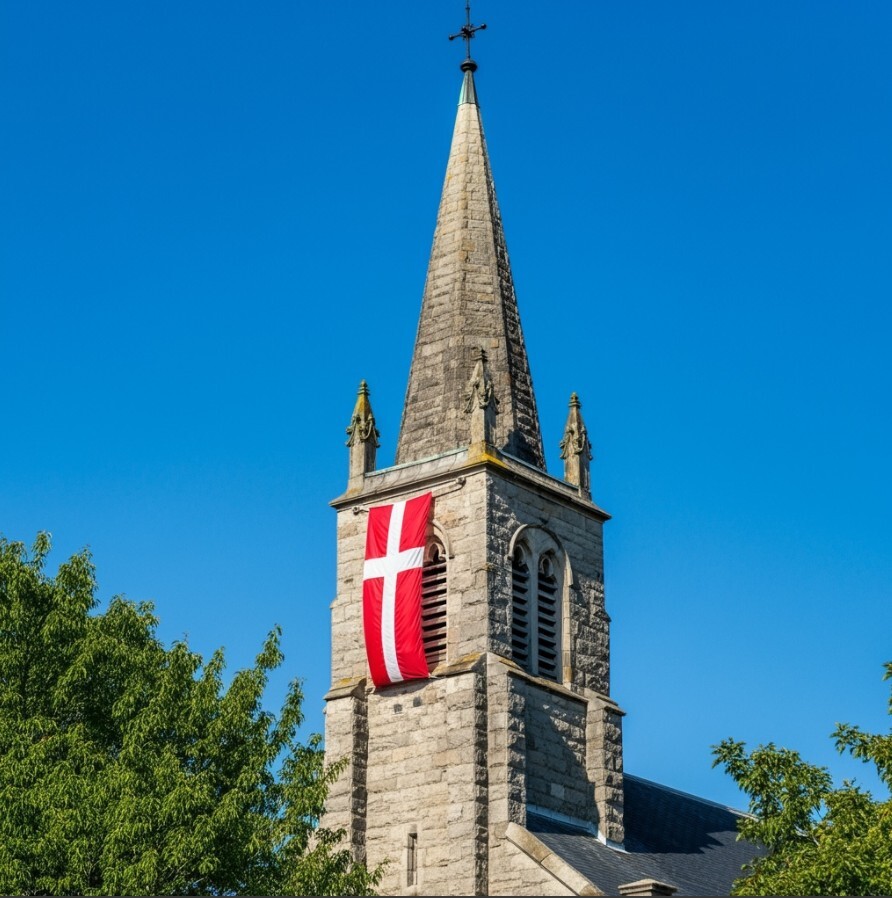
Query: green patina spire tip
x,y
468,89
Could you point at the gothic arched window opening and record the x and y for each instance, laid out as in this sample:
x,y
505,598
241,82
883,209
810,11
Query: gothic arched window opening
x,y
520,608
433,603
536,614
547,620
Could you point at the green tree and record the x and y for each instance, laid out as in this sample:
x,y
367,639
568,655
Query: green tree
x,y
820,840
130,768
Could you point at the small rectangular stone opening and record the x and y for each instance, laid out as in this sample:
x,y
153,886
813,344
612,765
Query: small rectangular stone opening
x,y
412,859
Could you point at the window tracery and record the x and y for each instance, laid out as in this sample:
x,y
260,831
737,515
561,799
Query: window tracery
x,y
536,605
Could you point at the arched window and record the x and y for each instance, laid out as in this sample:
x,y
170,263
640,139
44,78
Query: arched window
x,y
548,620
433,603
536,614
520,608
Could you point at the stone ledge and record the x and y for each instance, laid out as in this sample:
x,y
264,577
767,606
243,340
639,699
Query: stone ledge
x,y
558,488
584,697
386,483
346,688
460,666
359,686
646,887
463,461
554,865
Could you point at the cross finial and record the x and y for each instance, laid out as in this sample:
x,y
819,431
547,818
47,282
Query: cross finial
x,y
467,33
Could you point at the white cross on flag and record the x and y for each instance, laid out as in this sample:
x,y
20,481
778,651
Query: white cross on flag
x,y
391,590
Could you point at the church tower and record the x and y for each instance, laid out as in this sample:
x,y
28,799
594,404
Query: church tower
x,y
516,720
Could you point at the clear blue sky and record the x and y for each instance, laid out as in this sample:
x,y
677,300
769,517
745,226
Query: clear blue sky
x,y
216,220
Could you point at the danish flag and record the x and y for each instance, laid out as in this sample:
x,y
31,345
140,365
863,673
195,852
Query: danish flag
x,y
391,590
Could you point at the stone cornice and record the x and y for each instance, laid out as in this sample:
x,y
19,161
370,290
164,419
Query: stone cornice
x,y
471,662
381,485
572,692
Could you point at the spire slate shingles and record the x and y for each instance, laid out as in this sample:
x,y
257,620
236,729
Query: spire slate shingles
x,y
469,304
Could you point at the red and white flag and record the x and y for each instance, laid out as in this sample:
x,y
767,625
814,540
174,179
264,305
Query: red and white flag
x,y
391,590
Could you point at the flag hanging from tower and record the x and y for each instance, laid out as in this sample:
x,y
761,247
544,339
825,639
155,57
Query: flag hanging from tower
x,y
391,590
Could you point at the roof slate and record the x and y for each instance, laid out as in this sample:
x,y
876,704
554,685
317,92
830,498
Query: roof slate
x,y
676,838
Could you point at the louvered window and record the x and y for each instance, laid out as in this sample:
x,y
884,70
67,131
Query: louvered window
x,y
547,620
520,608
433,604
536,617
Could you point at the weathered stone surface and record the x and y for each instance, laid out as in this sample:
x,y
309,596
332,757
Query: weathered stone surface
x,y
557,779
450,765
523,865
362,439
517,508
576,449
647,887
469,304
457,759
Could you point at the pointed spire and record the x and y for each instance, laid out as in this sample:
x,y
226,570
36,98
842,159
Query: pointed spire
x,y
362,438
481,402
576,450
468,303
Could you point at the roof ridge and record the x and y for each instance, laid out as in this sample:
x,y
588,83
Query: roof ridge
x,y
709,801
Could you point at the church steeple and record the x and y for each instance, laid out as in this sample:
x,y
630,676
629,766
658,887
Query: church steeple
x,y
469,303
515,723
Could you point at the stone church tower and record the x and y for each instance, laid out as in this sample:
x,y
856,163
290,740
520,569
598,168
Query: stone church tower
x,y
517,717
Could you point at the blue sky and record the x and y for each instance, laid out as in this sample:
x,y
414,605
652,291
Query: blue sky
x,y
216,221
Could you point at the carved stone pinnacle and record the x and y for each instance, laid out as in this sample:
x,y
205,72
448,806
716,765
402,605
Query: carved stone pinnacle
x,y
576,450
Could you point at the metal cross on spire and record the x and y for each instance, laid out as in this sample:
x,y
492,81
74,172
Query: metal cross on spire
x,y
468,30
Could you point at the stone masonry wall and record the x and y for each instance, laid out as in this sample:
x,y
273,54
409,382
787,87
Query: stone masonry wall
x,y
427,775
457,758
460,515
514,873
586,648
604,762
568,757
346,737
557,778
506,746
421,764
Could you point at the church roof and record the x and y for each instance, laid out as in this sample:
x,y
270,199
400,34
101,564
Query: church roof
x,y
671,837
469,304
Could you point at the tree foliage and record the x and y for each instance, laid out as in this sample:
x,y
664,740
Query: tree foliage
x,y
130,768
820,840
